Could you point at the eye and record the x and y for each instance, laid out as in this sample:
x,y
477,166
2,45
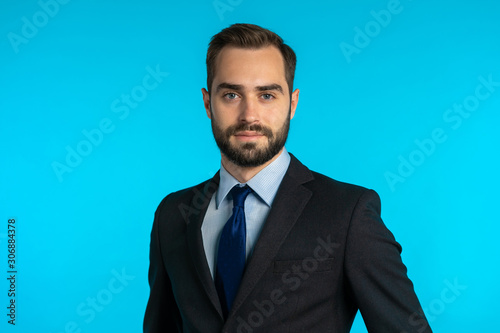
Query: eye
x,y
230,96
267,96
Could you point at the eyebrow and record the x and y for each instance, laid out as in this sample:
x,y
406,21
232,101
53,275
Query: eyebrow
x,y
274,86
225,85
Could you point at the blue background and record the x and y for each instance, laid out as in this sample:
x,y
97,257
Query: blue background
x,y
362,114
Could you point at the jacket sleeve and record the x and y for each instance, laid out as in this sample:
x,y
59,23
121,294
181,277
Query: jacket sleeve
x,y
162,314
377,276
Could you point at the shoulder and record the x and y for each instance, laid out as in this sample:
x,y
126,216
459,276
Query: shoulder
x,y
323,185
331,193
198,195
322,182
341,193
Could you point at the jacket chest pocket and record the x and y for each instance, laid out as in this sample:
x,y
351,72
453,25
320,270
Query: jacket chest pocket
x,y
308,274
309,265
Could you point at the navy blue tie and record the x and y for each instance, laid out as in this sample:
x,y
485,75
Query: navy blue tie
x,y
231,254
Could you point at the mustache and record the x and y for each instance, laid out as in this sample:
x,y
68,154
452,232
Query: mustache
x,y
263,130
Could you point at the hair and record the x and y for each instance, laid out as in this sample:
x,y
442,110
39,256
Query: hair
x,y
249,36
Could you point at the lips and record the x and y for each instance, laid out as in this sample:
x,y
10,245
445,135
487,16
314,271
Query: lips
x,y
248,135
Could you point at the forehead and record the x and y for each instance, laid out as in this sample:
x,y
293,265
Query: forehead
x,y
250,66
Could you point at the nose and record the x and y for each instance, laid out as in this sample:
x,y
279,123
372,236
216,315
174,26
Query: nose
x,y
248,111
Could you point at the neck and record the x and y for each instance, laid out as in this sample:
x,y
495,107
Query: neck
x,y
244,174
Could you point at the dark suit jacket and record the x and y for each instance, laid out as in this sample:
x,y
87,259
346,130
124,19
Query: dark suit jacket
x,y
323,253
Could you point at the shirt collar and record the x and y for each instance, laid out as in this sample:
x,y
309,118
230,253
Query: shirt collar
x,y
265,183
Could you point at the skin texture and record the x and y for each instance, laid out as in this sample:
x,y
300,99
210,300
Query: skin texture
x,y
251,105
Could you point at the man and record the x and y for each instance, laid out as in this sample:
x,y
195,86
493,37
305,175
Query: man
x,y
267,245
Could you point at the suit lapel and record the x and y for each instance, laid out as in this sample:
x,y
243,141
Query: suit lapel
x,y
288,205
197,209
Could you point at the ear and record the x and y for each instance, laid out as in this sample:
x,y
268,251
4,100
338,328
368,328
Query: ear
x,y
206,102
293,102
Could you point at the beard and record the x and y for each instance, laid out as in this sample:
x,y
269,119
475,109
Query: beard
x,y
250,154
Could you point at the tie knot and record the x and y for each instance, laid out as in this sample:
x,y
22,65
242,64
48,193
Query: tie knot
x,y
239,194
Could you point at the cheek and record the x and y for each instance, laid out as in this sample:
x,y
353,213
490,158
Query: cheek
x,y
223,116
276,118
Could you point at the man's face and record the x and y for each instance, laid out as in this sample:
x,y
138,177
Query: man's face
x,y
250,105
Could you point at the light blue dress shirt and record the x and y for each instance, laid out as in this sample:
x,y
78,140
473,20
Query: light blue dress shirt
x,y
264,184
